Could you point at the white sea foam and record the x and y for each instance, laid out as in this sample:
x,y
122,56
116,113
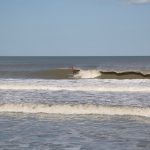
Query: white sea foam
x,y
88,74
85,88
75,109
88,85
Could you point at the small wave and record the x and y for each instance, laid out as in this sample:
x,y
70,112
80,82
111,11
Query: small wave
x,y
110,74
124,75
78,109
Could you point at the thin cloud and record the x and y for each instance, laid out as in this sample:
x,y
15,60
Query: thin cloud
x,y
139,1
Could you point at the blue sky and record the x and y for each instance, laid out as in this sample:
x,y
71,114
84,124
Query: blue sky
x,y
74,27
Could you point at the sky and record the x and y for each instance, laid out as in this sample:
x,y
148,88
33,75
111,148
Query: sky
x,y
74,27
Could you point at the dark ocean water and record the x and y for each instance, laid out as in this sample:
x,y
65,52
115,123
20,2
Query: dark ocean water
x,y
105,105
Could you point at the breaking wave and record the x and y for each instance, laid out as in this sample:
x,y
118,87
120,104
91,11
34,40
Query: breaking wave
x,y
68,73
85,109
87,74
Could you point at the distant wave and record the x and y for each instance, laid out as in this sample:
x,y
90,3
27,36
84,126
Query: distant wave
x,y
84,109
66,73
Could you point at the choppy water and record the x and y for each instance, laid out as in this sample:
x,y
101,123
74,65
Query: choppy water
x,y
105,105
72,132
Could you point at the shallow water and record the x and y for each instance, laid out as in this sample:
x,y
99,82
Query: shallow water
x,y
71,132
43,109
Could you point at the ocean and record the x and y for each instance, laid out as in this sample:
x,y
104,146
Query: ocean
x,y
103,105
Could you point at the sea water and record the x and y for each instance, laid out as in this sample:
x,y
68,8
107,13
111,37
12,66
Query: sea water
x,y
106,105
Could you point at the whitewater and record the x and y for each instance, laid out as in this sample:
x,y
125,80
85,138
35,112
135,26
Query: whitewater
x,y
95,85
84,109
79,96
